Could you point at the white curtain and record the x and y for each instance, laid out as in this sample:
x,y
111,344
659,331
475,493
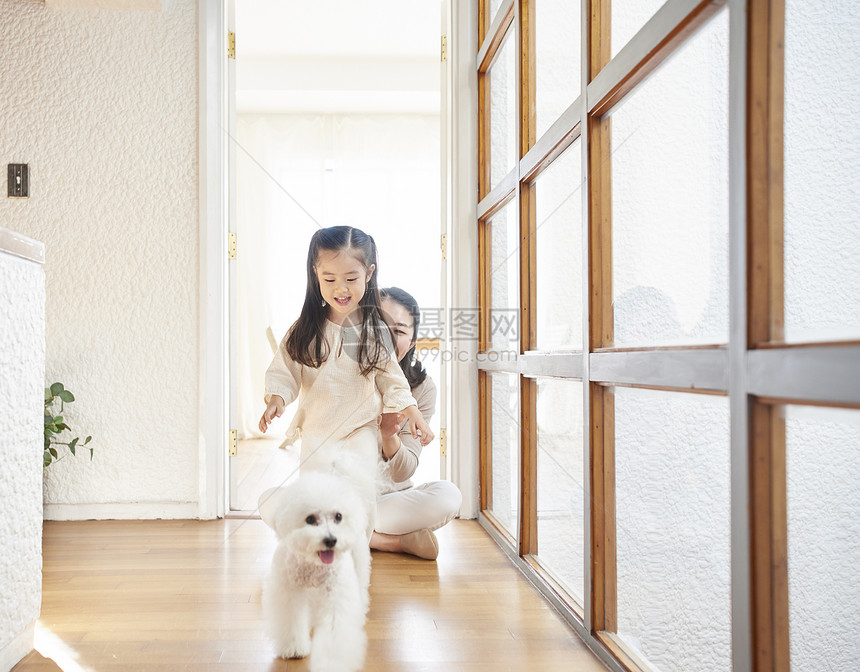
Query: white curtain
x,y
296,174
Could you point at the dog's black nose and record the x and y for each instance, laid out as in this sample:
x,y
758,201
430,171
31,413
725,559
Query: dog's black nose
x,y
330,541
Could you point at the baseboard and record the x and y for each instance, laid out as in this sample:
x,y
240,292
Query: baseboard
x,y
18,648
122,511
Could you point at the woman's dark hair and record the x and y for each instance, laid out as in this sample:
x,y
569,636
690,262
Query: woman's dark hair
x,y
412,368
305,341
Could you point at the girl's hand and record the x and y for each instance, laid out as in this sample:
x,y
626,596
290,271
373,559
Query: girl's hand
x,y
389,424
274,409
418,426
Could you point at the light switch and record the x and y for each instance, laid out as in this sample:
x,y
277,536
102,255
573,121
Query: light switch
x,y
18,180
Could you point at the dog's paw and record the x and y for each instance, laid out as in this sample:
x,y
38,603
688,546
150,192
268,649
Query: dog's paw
x,y
294,654
292,650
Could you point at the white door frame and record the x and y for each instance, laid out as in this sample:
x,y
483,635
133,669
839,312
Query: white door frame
x,y
462,89
229,125
214,351
446,118
213,408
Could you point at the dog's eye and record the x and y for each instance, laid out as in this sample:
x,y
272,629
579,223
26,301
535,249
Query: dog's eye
x,y
338,517
311,520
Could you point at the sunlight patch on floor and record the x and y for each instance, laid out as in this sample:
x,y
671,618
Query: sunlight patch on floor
x,y
52,646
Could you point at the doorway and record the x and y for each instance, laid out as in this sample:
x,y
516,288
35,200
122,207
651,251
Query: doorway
x,y
337,122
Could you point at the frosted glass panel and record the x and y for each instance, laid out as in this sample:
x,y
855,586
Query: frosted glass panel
x,y
823,472
672,508
504,280
560,492
557,59
822,161
503,110
558,198
628,17
505,458
670,200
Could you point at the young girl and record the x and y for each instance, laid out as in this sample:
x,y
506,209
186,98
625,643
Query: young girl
x,y
338,359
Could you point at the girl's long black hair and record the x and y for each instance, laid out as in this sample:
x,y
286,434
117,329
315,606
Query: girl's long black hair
x,y
305,341
412,368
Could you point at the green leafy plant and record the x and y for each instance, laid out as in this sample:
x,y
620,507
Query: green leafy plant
x,y
54,425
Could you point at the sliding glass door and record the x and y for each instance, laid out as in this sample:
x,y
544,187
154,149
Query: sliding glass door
x,y
670,323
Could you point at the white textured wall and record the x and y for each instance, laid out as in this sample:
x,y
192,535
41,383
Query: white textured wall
x,y
22,363
103,106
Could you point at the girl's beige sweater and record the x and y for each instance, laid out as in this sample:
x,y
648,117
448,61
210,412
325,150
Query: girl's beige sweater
x,y
336,399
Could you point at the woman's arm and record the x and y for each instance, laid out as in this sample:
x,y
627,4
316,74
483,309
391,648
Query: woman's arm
x,y
396,396
389,432
404,461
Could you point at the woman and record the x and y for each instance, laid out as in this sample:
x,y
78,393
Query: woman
x,y
407,514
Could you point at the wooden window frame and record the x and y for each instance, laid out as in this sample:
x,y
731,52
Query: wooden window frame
x,y
756,370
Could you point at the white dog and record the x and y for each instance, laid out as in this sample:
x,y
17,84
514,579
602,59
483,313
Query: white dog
x,y
316,596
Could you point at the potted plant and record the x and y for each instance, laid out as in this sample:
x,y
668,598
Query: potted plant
x,y
55,425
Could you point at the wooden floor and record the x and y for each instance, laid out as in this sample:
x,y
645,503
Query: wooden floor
x,y
185,595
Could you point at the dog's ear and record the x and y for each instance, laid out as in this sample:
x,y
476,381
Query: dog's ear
x,y
276,510
279,524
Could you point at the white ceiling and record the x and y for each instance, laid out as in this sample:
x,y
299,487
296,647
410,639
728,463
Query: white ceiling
x,y
367,56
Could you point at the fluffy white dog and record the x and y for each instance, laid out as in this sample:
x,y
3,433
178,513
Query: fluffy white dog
x,y
316,596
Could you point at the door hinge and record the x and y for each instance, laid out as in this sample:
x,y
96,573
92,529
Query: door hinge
x,y
231,245
234,443
231,45
444,48
443,243
443,442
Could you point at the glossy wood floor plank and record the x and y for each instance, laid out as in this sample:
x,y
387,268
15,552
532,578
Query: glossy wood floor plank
x,y
185,595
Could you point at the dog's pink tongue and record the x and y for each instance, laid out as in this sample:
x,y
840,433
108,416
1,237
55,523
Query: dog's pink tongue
x,y
327,557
